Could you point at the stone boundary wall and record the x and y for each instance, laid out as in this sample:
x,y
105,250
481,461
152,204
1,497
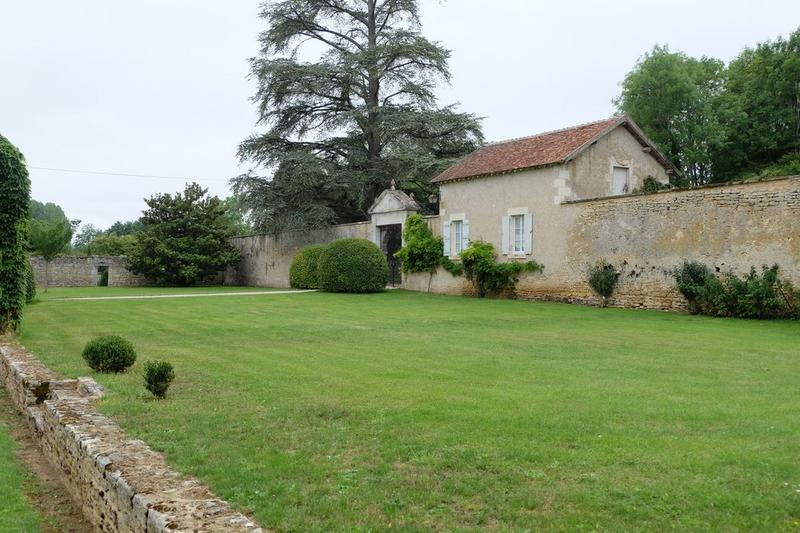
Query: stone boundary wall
x,y
731,227
120,484
74,271
266,258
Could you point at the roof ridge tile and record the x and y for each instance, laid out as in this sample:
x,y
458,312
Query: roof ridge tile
x,y
550,132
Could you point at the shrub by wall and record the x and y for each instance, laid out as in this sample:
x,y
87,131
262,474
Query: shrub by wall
x,y
603,278
756,295
352,265
304,272
488,277
691,280
422,251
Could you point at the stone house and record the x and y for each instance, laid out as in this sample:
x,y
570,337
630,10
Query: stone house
x,y
509,193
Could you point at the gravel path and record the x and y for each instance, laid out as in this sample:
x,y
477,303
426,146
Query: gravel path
x,y
199,295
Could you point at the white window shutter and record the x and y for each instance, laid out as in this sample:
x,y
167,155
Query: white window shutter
x,y
506,234
528,234
465,231
446,238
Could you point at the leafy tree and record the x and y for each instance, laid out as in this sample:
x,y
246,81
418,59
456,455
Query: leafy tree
x,y
788,165
721,123
15,189
49,238
185,238
235,216
760,108
85,236
672,97
125,228
48,211
112,244
341,127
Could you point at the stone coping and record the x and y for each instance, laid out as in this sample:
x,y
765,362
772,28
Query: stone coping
x,y
120,484
682,189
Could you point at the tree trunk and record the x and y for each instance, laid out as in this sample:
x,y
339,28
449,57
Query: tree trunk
x,y
46,275
373,104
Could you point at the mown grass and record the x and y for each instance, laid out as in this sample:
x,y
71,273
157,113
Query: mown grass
x,y
16,512
402,410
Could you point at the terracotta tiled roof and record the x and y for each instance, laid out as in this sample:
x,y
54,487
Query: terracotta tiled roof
x,y
548,148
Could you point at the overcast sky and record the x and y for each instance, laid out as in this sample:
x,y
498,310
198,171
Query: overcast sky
x,y
159,87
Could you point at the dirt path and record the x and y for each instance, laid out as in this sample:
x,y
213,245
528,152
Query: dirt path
x,y
48,496
199,295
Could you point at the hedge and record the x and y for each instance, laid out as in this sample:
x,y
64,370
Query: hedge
x,y
303,273
352,265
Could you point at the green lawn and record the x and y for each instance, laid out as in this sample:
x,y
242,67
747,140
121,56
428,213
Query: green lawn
x,y
412,411
16,513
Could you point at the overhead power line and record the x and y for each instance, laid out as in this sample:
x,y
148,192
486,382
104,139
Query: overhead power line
x,y
125,174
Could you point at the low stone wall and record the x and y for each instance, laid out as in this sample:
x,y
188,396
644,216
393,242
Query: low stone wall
x,y
73,271
120,484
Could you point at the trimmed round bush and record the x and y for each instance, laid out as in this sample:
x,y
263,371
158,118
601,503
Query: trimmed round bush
x,y
158,376
110,353
303,273
352,265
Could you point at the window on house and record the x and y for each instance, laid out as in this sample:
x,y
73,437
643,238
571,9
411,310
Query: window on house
x,y
518,234
455,234
620,183
457,227
517,238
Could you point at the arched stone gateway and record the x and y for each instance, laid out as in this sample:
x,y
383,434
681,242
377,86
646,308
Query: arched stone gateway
x,y
387,216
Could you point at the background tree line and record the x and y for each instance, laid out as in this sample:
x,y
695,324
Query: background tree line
x,y
181,238
721,122
74,238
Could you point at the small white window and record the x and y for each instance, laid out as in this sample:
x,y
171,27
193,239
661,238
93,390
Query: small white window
x,y
517,238
458,236
620,183
455,234
518,233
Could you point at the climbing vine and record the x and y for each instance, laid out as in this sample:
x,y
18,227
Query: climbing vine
x,y
489,277
422,250
14,200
